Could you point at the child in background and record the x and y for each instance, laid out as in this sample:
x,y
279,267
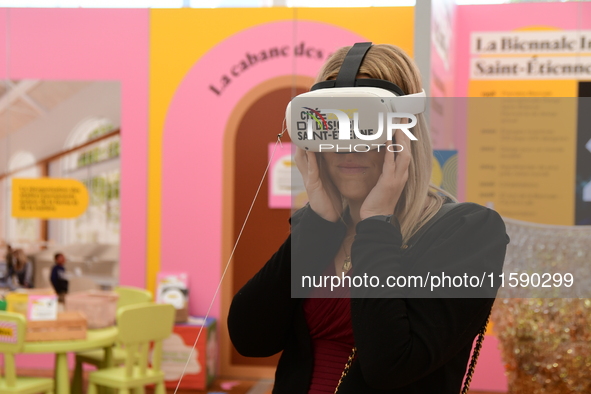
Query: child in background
x,y
58,277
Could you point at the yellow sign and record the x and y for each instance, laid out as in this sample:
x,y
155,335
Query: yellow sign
x,y
48,198
521,157
6,332
522,123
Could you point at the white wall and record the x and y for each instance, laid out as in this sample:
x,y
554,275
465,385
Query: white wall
x,y
47,134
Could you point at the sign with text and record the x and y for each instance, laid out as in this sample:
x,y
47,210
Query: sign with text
x,y
548,55
48,198
522,157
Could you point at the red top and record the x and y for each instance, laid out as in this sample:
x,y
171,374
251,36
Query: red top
x,y
329,322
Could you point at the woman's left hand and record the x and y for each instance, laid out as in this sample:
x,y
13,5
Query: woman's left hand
x,y
382,199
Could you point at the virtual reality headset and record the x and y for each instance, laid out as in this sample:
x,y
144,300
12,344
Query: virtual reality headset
x,y
350,114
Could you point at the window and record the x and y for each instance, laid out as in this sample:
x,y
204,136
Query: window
x,y
97,166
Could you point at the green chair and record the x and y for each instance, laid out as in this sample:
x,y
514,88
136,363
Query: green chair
x,y
132,295
12,337
127,296
140,327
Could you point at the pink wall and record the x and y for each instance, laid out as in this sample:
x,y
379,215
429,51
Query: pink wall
x,y
489,374
507,17
504,17
93,44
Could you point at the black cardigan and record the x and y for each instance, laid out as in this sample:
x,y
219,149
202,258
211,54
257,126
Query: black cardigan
x,y
404,345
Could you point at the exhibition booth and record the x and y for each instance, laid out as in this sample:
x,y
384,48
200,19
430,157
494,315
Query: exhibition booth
x,y
134,141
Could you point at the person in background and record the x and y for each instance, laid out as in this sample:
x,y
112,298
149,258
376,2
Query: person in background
x,y
8,255
6,268
58,277
21,270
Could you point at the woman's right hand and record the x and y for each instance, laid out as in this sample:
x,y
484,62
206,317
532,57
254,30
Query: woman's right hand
x,y
325,200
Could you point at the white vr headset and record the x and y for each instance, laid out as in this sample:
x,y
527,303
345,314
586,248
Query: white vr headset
x,y
349,114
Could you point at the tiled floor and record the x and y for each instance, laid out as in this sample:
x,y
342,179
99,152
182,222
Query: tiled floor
x,y
220,386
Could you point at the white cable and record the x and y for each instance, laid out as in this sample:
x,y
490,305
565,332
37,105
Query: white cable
x,y
228,263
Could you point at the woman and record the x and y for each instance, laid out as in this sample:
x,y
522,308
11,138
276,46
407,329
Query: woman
x,y
5,280
363,210
22,270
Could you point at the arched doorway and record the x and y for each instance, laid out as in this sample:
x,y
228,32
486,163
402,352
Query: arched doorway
x,y
255,122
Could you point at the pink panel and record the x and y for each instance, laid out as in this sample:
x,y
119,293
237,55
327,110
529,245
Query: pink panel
x,y
505,17
279,153
194,136
4,20
489,374
41,361
95,44
584,13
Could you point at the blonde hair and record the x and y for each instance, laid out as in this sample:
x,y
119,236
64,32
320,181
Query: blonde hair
x,y
420,200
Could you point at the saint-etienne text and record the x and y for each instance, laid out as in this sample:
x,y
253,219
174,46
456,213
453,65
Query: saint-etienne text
x,y
317,127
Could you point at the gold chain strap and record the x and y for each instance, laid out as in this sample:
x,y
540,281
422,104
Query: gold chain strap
x,y
346,369
475,355
469,374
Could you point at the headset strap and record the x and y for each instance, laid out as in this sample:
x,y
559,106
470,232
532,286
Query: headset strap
x,y
364,82
347,76
351,63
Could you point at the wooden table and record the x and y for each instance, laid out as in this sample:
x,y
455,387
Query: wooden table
x,y
95,339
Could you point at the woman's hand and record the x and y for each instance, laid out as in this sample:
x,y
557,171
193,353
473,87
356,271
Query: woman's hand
x,y
324,199
382,199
